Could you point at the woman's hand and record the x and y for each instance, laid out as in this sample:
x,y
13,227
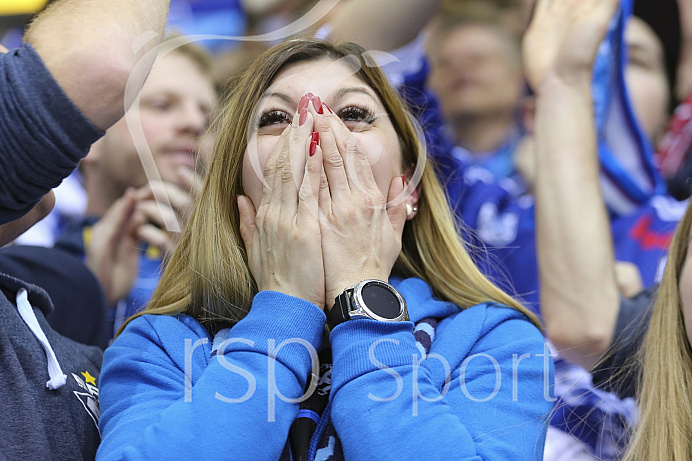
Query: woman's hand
x,y
563,39
361,236
282,237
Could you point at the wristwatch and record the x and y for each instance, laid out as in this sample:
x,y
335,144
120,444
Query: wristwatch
x,y
368,299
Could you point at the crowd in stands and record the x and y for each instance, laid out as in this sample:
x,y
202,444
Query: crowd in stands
x,y
325,230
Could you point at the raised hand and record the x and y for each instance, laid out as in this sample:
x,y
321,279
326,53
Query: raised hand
x,y
361,235
113,251
159,214
563,38
282,236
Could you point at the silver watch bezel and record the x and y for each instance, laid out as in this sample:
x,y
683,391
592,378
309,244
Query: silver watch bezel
x,y
358,308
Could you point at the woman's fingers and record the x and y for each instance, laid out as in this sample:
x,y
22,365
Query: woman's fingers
x,y
357,164
333,160
248,216
310,188
351,167
396,213
293,161
282,238
270,170
324,198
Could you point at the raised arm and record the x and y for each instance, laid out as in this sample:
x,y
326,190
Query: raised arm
x,y
381,25
92,46
59,94
579,292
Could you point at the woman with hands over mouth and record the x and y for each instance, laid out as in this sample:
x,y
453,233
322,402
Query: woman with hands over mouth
x,y
330,310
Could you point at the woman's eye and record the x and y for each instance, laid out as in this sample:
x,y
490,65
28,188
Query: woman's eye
x,y
356,114
274,117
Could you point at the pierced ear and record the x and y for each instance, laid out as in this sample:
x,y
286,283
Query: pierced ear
x,y
411,200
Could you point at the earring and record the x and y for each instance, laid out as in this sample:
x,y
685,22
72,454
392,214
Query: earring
x,y
410,210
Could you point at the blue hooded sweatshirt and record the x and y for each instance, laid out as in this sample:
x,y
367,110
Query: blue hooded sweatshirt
x,y
165,395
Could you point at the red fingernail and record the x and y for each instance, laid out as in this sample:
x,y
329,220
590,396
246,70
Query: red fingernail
x,y
325,105
303,104
303,116
317,104
403,180
310,96
314,139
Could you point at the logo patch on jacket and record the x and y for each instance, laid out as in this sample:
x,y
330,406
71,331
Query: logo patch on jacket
x,y
90,396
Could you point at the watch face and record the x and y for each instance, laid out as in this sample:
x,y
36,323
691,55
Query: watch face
x,y
381,301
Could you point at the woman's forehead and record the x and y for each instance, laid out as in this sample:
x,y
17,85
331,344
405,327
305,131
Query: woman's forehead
x,y
323,78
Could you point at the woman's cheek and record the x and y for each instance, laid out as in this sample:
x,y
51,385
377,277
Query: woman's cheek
x,y
373,147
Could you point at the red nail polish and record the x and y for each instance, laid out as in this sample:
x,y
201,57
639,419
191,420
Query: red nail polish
x,y
317,104
310,96
403,180
314,139
303,116
304,101
325,105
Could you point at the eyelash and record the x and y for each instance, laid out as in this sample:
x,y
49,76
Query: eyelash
x,y
356,114
348,114
273,117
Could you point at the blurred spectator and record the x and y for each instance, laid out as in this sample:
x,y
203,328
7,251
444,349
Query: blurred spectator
x,y
475,71
648,84
124,209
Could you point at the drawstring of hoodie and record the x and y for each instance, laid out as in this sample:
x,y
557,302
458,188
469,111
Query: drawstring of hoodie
x,y
57,377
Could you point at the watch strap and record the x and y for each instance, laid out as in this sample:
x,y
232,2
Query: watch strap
x,y
339,312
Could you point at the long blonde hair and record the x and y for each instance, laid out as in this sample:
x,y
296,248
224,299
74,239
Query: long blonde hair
x,y
664,431
207,276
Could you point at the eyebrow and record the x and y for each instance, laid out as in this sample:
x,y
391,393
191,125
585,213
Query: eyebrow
x,y
281,96
344,91
338,95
